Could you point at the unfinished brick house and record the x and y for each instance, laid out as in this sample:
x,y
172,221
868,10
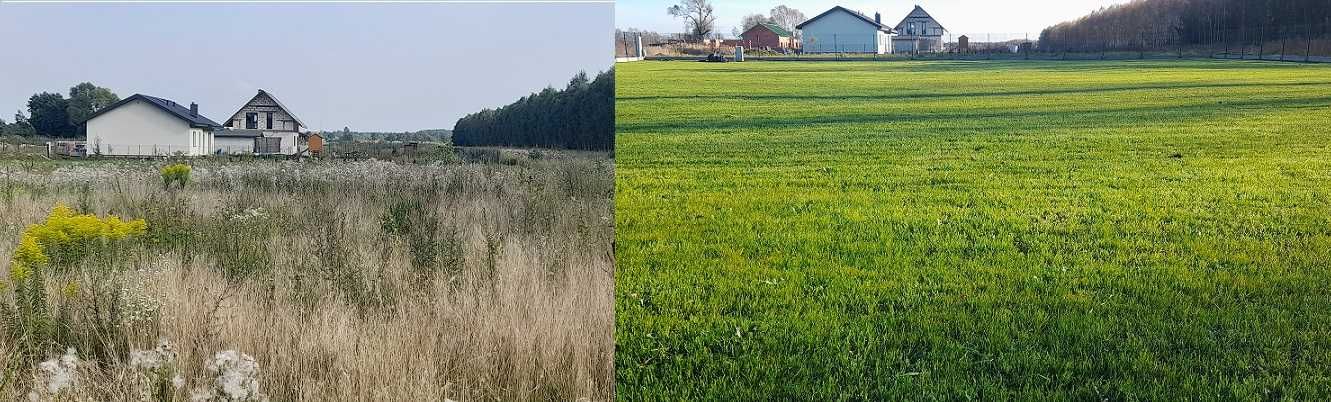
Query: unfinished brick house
x,y
261,126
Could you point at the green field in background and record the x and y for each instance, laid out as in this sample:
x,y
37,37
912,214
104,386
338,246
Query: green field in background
x,y
973,230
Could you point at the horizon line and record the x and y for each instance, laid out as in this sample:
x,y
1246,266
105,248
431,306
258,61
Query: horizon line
x,y
137,2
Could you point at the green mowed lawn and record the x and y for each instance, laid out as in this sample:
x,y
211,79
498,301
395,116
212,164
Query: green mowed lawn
x,y
973,230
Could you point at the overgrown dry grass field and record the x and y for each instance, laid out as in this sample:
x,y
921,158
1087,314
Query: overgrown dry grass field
x,y
974,231
331,280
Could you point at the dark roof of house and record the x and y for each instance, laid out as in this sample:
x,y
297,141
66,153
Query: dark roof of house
x,y
918,13
278,102
854,13
237,132
776,29
167,105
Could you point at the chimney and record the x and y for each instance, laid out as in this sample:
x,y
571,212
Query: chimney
x,y
193,109
878,18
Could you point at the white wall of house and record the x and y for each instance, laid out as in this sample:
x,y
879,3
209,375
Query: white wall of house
x,y
138,128
234,145
245,145
289,139
923,44
841,32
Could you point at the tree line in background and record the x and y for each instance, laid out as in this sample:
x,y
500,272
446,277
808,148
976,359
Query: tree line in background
x,y
431,135
699,17
53,115
1161,24
581,116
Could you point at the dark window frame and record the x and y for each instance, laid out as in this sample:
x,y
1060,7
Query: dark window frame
x,y
251,121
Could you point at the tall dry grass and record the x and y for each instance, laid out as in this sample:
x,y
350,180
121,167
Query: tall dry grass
x,y
345,281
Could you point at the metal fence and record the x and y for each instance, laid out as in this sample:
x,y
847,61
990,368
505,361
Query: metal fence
x,y
386,150
1297,43
82,149
628,45
22,150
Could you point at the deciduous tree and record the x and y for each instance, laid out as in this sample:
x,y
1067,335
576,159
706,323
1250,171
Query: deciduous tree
x,y
698,15
49,115
752,20
86,99
787,18
20,127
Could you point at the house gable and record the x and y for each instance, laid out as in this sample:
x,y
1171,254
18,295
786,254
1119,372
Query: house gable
x,y
836,9
264,112
920,23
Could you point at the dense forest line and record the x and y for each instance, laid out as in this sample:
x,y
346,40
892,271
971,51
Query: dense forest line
x,y
580,116
1162,24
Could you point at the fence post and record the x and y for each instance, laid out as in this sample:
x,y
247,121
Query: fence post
x,y
989,42
1141,46
1308,44
1261,42
1224,39
1282,47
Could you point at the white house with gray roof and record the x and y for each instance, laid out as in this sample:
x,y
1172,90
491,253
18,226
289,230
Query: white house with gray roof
x,y
143,125
841,30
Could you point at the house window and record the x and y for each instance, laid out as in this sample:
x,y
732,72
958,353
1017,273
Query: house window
x,y
270,120
251,121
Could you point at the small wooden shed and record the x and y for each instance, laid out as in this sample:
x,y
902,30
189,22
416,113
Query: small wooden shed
x,y
315,141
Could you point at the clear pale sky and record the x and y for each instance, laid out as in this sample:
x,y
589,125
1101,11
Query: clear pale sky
x,y
959,16
372,67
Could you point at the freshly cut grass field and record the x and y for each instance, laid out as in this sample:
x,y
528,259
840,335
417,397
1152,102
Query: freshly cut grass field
x,y
973,230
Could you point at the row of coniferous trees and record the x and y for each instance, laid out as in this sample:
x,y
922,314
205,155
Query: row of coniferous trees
x,y
580,116
1169,24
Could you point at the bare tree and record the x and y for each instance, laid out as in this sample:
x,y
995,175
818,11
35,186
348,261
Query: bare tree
x,y
752,20
787,18
698,15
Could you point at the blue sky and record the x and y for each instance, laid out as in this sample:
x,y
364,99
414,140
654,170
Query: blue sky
x,y
1010,17
373,67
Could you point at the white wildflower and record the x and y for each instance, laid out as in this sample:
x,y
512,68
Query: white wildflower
x,y
162,356
55,376
138,302
250,213
156,368
235,378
